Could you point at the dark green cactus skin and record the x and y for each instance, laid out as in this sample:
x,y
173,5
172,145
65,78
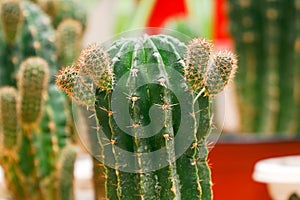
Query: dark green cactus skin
x,y
265,35
172,181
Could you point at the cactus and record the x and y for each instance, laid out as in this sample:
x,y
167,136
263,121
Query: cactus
x,y
32,144
69,34
265,37
34,37
142,71
70,9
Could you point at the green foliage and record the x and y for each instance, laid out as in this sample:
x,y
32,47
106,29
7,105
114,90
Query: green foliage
x,y
144,59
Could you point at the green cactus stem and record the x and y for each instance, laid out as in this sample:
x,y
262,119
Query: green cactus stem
x,y
9,118
12,18
33,84
66,165
140,70
33,37
264,33
69,36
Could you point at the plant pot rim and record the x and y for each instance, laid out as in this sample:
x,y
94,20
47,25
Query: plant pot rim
x,y
284,169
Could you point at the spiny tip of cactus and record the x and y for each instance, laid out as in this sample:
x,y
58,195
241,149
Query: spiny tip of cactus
x,y
7,93
12,18
33,82
197,58
95,63
65,79
221,70
70,26
76,85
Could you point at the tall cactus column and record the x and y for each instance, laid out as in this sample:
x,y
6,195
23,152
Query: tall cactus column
x,y
265,36
151,94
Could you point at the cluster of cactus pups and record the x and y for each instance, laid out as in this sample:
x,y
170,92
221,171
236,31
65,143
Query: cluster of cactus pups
x,y
266,35
144,69
35,116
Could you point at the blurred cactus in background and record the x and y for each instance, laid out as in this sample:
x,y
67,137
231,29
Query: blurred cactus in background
x,y
36,124
35,139
266,36
154,61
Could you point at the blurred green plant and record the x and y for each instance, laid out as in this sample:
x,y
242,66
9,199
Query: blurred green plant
x,y
132,14
198,21
35,117
266,36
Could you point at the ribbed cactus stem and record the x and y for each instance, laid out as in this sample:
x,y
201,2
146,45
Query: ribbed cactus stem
x,y
69,35
147,75
197,59
33,84
220,71
95,63
11,18
9,119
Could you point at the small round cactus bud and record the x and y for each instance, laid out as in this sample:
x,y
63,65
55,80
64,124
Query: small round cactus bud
x,y
76,85
12,18
69,35
9,117
197,58
65,79
222,68
32,83
95,63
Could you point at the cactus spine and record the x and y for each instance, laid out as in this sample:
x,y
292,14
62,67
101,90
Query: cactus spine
x,y
143,59
264,33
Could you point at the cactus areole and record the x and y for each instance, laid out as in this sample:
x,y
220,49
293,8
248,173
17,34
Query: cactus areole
x,y
152,106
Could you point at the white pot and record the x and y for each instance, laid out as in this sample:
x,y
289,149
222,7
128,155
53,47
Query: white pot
x,y
282,175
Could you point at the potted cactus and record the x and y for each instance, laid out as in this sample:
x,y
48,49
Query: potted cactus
x,y
151,97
